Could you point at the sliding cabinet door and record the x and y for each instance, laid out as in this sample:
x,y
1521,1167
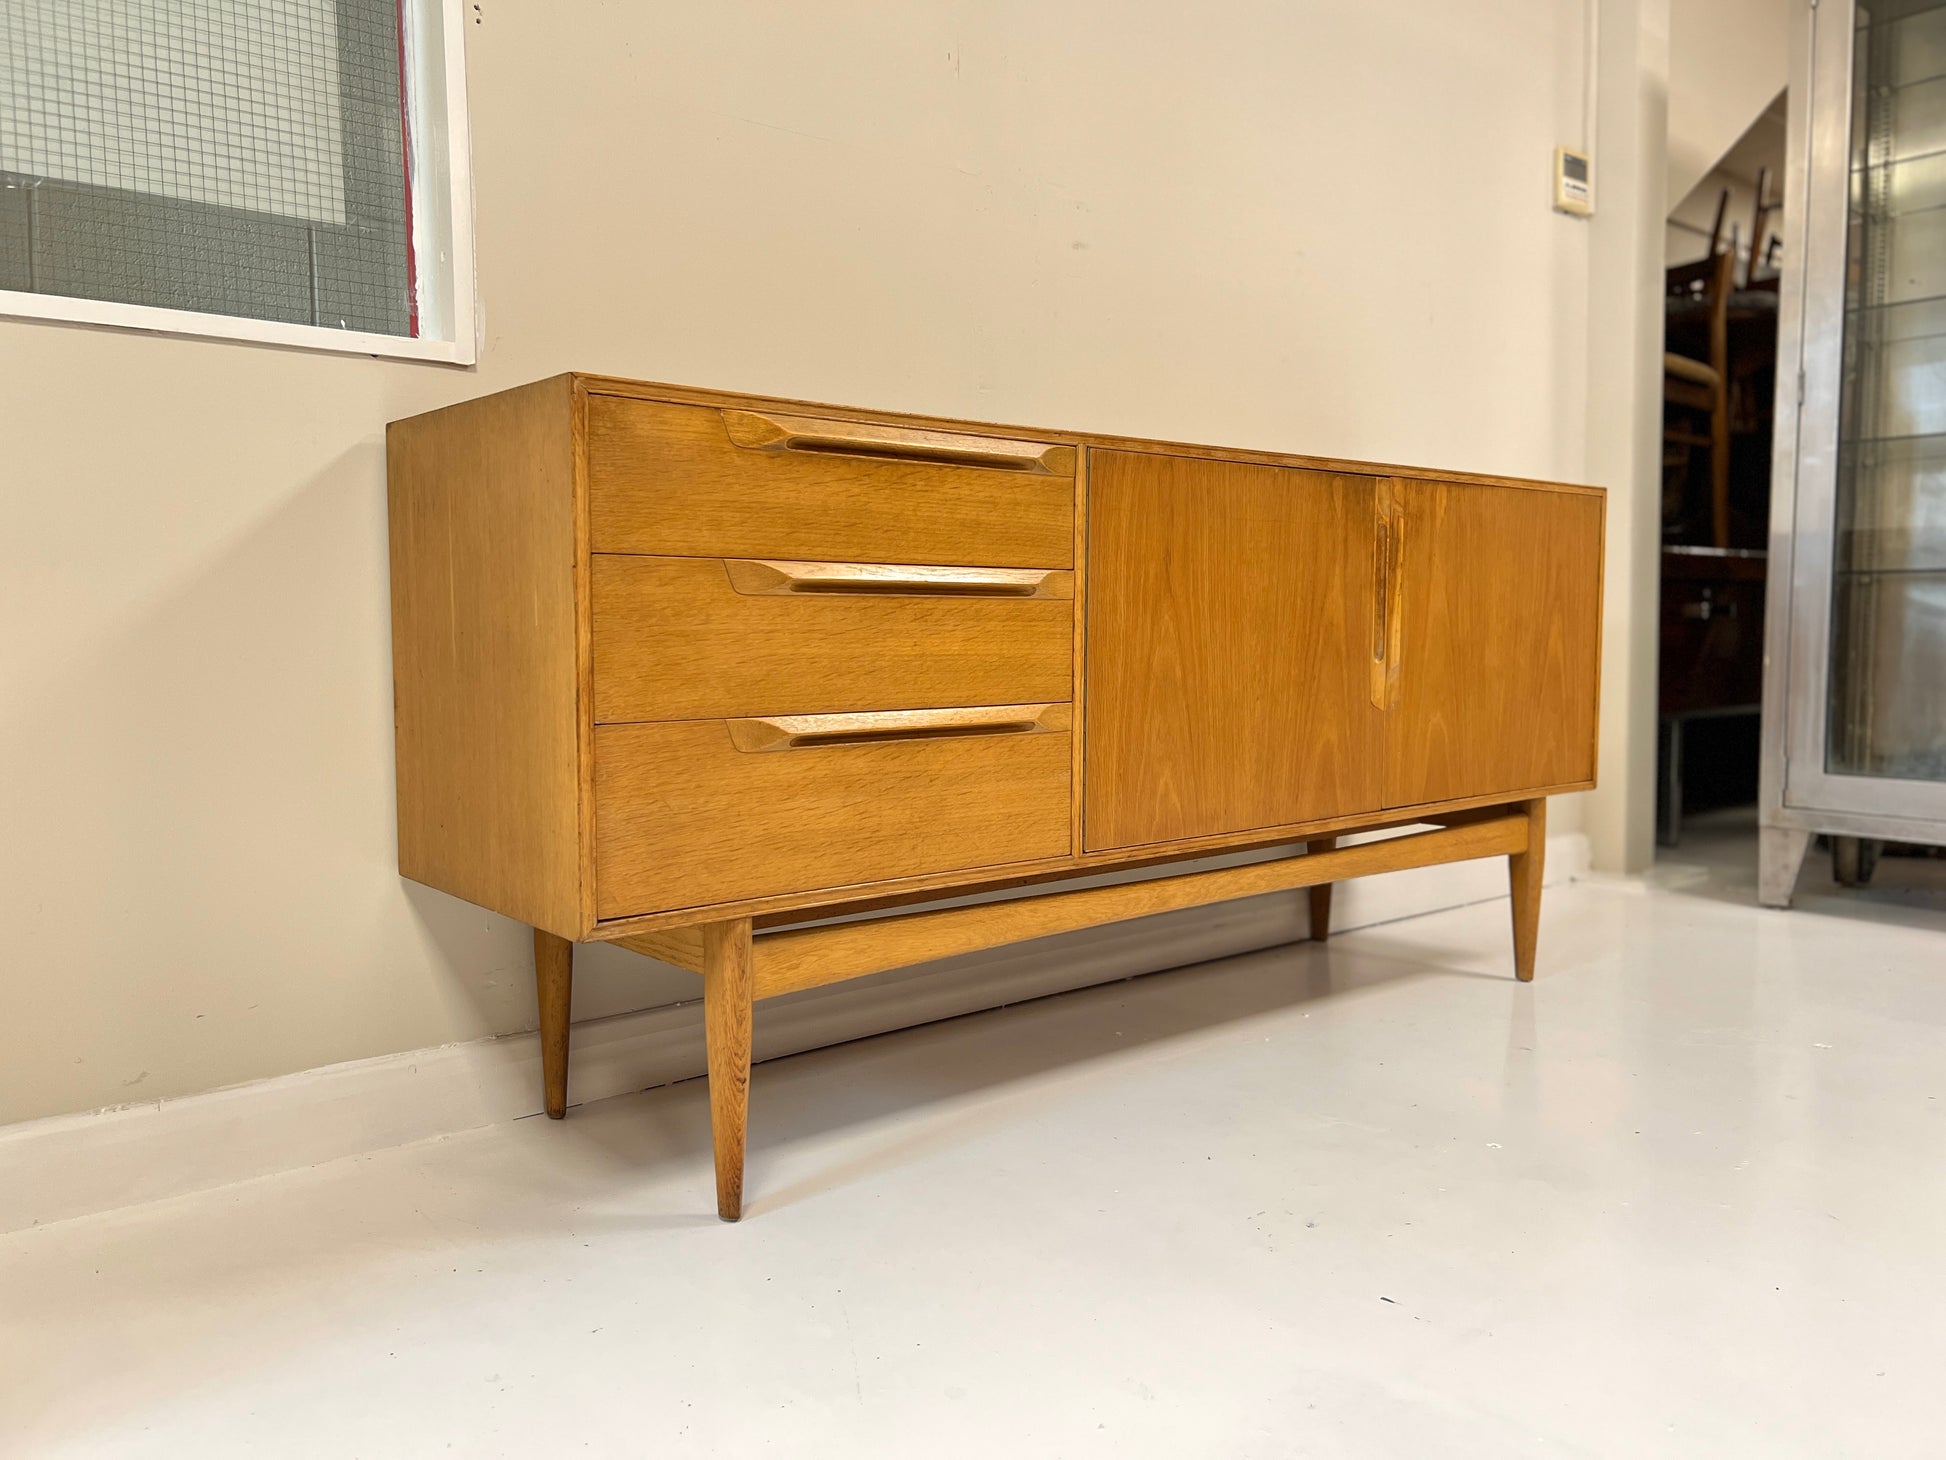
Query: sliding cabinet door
x,y
1229,648
1490,675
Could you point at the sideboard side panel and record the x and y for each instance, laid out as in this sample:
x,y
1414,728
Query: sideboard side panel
x,y
486,655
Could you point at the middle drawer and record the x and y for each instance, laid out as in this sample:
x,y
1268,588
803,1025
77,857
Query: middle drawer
x,y
705,638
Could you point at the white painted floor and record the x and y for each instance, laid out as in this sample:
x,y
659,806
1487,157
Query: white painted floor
x,y
1683,1197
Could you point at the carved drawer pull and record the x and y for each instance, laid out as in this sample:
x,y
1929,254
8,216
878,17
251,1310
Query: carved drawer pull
x,y
756,577
768,431
803,732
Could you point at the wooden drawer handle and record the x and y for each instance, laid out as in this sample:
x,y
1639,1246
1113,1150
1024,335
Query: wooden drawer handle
x,y
804,732
766,431
755,577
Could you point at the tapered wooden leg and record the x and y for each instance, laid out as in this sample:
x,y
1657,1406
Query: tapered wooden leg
x,y
727,967
1321,894
1524,872
554,987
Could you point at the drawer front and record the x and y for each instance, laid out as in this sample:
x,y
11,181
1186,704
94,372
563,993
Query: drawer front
x,y
694,638
707,811
698,481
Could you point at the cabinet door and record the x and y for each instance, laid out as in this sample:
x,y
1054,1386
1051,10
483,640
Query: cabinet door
x,y
1230,630
1492,653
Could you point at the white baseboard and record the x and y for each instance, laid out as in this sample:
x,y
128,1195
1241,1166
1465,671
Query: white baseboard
x,y
73,1165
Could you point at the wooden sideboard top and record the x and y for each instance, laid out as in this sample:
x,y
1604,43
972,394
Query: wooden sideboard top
x,y
695,395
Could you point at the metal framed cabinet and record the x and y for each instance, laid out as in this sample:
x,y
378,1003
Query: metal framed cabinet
x,y
1855,681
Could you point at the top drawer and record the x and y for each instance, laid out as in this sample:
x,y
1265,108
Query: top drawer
x,y
698,481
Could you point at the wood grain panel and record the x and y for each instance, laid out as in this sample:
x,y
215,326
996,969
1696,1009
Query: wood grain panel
x,y
1229,623
685,819
675,640
772,911
486,654
678,947
1498,647
610,385
669,479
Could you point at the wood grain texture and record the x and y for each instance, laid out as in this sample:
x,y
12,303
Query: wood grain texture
x,y
769,430
896,896
1229,613
485,653
1388,605
834,898
1500,605
621,388
554,993
1524,872
1077,816
679,947
668,479
727,996
1320,891
685,819
813,956
500,459
675,640
584,646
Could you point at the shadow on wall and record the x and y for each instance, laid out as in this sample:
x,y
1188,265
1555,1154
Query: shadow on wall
x,y
202,885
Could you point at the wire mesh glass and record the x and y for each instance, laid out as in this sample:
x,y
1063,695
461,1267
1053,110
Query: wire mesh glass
x,y
1888,670
239,157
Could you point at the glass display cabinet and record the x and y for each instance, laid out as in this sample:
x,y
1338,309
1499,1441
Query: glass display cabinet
x,y
1855,679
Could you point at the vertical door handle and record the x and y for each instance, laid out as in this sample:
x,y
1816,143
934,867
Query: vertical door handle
x,y
1382,572
1388,579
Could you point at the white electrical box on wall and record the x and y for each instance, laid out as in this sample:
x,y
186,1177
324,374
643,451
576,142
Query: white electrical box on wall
x,y
1574,182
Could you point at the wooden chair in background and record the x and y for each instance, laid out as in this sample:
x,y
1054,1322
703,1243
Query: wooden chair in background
x,y
1696,387
1759,232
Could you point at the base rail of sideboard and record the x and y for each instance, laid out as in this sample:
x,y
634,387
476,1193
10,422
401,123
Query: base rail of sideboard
x,y
787,961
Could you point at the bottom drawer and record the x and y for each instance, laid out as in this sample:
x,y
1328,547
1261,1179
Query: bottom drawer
x,y
696,812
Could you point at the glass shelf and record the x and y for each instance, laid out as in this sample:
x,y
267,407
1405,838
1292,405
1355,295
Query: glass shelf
x,y
1845,442
1929,301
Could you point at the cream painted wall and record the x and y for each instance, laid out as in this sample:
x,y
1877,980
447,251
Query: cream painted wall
x,y
1759,150
1728,60
1624,445
1317,225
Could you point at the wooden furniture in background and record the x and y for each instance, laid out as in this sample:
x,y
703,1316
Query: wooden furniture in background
x,y
1693,386
1761,210
674,669
1720,385
1711,660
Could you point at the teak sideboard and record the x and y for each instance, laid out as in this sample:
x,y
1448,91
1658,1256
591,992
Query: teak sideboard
x,y
680,670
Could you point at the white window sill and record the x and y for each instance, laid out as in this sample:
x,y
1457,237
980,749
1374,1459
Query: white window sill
x,y
62,309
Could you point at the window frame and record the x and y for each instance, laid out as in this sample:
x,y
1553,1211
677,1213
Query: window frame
x,y
440,187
